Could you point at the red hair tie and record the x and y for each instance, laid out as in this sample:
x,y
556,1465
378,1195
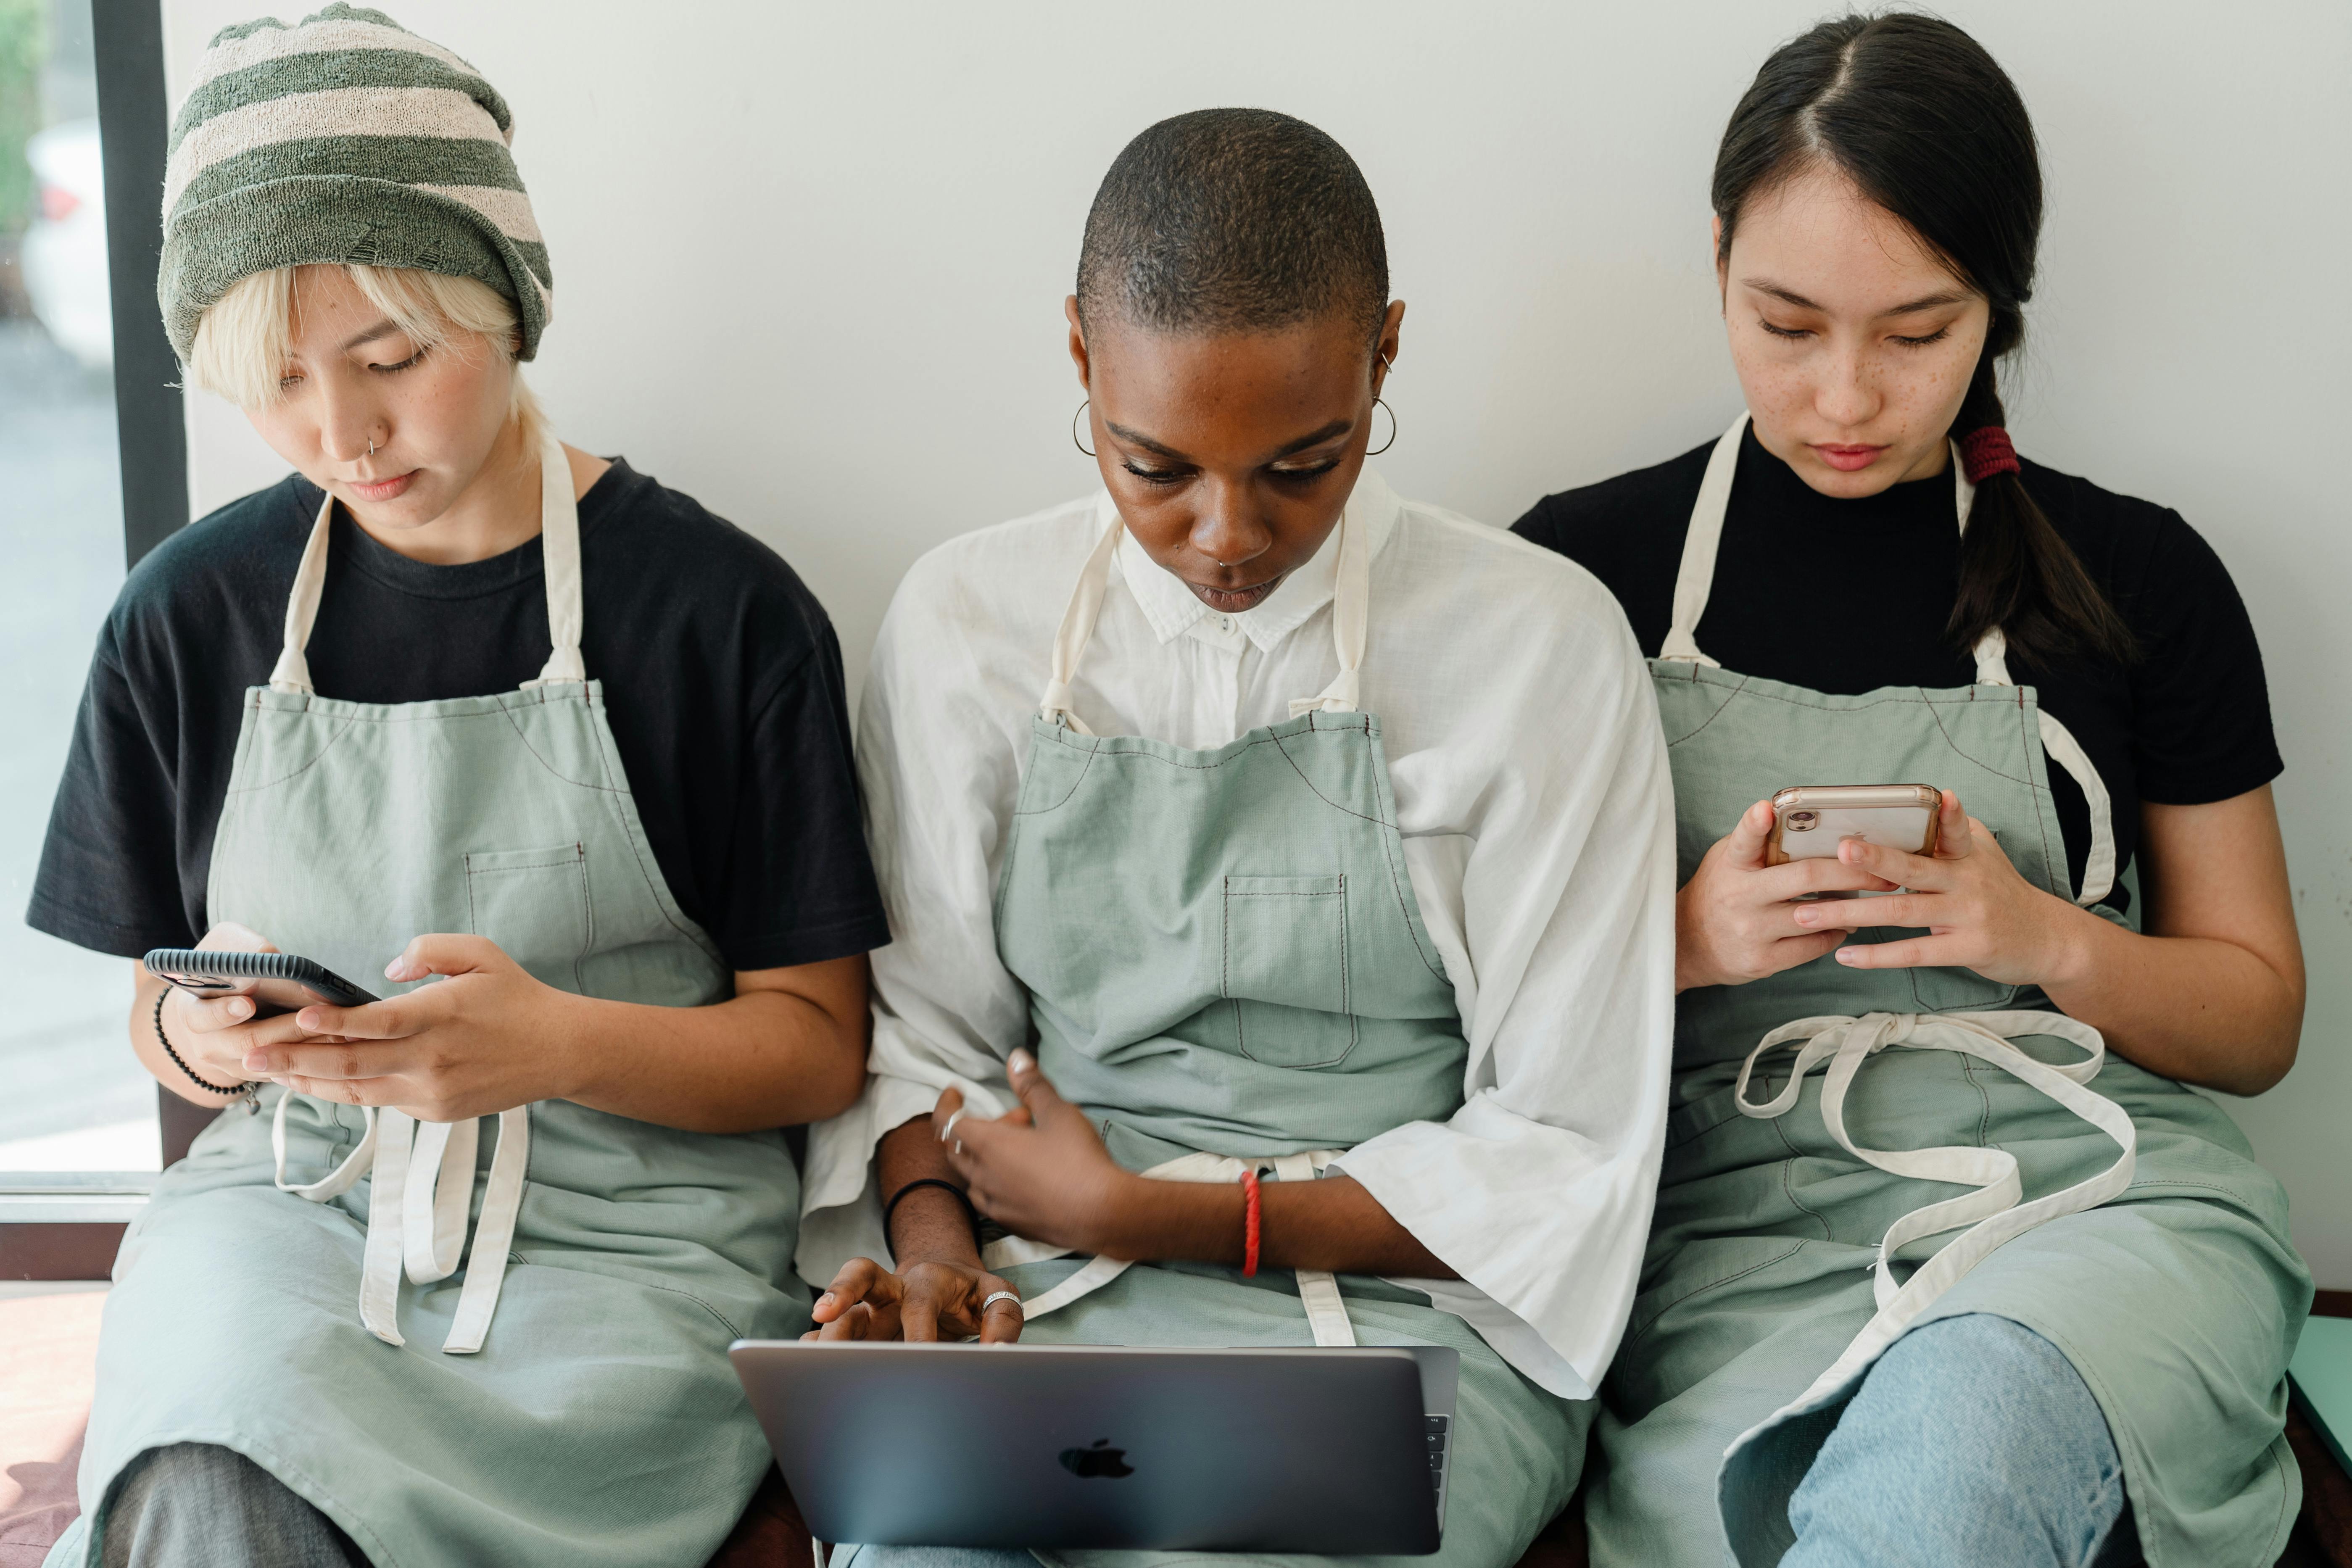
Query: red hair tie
x,y
1987,452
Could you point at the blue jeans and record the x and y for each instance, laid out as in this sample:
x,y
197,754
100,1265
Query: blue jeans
x,y
1973,1441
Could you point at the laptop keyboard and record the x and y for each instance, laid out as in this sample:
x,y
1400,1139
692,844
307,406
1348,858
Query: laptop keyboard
x,y
1433,1430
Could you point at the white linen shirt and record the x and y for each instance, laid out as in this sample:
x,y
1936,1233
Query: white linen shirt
x,y
1536,812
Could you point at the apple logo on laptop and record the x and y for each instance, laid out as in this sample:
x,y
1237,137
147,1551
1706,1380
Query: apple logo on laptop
x,y
1099,1460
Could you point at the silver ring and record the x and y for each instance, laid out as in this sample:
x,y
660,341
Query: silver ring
x,y
948,1130
996,1296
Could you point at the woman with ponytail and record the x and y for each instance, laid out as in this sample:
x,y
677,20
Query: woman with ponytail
x,y
1995,1286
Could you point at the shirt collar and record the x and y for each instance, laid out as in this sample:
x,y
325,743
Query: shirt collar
x,y
1172,609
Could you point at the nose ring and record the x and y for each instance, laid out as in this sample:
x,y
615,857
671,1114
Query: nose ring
x,y
371,447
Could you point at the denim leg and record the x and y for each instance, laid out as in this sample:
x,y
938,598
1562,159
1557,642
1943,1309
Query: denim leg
x,y
1973,1440
929,1557
195,1505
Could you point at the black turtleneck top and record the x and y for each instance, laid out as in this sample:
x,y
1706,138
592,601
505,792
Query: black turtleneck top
x,y
2187,724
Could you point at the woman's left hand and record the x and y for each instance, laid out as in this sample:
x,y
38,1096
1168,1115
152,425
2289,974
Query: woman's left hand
x,y
1039,1170
486,1038
1977,911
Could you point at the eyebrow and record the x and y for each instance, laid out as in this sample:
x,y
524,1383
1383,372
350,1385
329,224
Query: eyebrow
x,y
382,329
1925,301
1312,438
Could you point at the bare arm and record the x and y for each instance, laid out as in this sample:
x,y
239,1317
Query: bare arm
x,y
2212,993
788,1047
1043,1171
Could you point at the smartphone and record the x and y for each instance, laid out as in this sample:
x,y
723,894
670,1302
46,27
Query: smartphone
x,y
1810,821
279,980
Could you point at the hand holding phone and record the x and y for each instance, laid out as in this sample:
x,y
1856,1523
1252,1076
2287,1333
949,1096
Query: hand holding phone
x,y
1810,821
213,1019
1734,919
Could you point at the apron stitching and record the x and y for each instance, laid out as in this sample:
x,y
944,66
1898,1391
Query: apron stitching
x,y
698,1301
2055,866
1084,768
552,769
1729,698
1711,1285
1988,767
621,800
2243,1200
1984,1116
306,767
1787,1183
1412,927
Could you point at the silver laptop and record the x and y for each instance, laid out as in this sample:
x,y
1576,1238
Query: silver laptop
x,y
1334,1452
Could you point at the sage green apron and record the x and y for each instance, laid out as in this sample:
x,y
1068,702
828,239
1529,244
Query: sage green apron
x,y
1227,967
2153,1251
564,1398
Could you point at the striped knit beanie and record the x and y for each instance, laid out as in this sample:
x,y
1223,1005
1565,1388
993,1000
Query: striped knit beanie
x,y
346,139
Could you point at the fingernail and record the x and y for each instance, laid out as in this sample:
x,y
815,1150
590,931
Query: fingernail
x,y
306,1019
240,1008
1808,917
260,1062
821,1300
1849,955
1020,1061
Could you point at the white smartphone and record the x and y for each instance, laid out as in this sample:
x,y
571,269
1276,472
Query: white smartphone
x,y
1810,821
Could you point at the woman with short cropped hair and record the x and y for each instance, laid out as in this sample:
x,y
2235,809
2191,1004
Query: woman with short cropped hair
x,y
1279,870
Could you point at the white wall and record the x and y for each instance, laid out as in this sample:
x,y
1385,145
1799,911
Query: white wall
x,y
810,262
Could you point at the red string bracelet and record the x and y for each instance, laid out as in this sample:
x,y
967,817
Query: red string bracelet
x,y
1249,1221
1987,452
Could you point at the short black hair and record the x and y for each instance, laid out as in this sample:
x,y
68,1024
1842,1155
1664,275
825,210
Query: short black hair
x,y
1233,219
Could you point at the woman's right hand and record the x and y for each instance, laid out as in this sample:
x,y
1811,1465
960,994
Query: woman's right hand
x,y
212,1034
1735,920
922,1302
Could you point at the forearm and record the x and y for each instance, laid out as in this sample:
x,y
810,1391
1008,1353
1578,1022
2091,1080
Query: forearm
x,y
760,1060
928,1224
2200,1009
1332,1225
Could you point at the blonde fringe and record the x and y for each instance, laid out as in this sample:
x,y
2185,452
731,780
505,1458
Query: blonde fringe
x,y
246,337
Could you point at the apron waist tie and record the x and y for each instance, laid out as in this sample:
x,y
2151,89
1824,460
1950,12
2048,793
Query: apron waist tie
x,y
1318,1289
421,1181
1992,1213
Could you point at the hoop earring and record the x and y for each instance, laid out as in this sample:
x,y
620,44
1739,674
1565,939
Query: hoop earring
x,y
1089,451
1382,402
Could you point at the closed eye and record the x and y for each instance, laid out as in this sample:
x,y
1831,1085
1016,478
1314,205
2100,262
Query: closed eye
x,y
1784,331
1154,476
1937,336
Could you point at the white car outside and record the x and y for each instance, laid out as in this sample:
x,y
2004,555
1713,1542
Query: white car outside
x,y
64,257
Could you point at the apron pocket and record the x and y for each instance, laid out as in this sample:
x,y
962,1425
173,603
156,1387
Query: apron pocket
x,y
1284,968
534,904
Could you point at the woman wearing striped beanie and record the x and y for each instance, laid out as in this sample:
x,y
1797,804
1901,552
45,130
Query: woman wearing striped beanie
x,y
454,703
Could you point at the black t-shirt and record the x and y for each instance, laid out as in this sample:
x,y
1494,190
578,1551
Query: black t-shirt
x,y
722,684
2188,723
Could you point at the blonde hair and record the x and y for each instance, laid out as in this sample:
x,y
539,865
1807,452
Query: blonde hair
x,y
245,338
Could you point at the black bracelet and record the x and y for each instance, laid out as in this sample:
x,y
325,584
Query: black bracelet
x,y
242,1091
969,1213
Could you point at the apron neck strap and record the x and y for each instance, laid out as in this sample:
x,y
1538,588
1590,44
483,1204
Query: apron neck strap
x,y
558,533
1695,578
1351,605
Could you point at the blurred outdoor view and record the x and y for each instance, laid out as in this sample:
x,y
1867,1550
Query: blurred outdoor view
x,y
75,1099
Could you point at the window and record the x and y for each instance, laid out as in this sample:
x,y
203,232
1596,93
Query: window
x,y
92,469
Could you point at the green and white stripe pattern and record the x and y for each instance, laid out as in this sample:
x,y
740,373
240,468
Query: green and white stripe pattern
x,y
343,139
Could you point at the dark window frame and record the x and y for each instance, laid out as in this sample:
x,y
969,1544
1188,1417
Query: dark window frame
x,y
151,430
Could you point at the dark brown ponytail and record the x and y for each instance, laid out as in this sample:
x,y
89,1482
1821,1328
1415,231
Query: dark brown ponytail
x,y
1922,120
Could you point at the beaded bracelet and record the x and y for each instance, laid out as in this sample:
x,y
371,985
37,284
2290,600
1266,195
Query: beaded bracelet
x,y
243,1091
969,1213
